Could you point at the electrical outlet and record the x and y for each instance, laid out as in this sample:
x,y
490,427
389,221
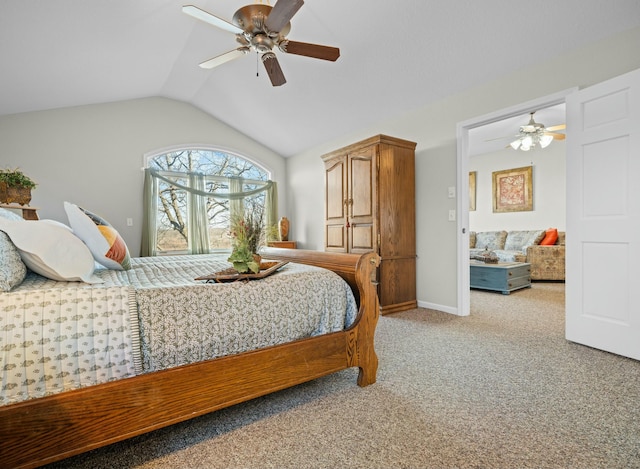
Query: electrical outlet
x,y
129,221
452,215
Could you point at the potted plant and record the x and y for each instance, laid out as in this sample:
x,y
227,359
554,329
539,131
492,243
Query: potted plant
x,y
15,186
247,236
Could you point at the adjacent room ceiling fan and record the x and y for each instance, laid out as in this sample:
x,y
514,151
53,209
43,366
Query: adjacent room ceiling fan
x,y
262,28
535,133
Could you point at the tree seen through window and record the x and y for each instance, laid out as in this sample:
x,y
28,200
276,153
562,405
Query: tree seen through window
x,y
172,218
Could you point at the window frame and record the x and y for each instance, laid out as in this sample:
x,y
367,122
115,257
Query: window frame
x,y
149,157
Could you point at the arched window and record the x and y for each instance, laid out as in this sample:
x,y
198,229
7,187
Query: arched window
x,y
191,195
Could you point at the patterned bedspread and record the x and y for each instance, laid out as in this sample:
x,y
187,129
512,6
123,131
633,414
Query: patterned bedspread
x,y
56,336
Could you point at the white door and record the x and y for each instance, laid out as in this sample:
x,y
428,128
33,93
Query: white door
x,y
603,216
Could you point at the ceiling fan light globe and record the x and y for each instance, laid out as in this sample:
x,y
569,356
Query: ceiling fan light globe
x,y
515,144
527,143
545,140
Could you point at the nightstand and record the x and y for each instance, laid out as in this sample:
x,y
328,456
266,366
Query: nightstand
x,y
282,244
28,213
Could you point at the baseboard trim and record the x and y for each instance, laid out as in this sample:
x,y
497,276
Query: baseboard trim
x,y
437,307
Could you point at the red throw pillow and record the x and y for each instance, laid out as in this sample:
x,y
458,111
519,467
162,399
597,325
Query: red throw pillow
x,y
550,237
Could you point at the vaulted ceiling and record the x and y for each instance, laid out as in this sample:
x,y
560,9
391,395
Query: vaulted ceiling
x,y
395,56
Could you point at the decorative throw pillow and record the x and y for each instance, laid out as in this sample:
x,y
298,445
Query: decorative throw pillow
x,y
550,237
490,239
521,240
12,269
50,249
104,242
472,239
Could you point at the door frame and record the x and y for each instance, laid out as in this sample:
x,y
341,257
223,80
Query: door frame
x,y
462,182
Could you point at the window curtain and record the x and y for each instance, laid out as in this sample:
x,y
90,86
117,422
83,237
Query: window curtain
x,y
236,207
235,196
148,246
197,221
271,207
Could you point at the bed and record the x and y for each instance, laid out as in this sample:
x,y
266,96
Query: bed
x,y
41,430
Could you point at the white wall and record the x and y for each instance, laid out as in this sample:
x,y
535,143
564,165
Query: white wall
x,y
93,155
549,195
433,127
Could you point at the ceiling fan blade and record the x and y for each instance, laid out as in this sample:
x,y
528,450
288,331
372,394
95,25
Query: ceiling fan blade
x,y
274,71
311,50
556,135
281,13
556,127
211,19
226,57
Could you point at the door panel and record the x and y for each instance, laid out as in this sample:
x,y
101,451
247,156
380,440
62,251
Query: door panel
x,y
336,205
361,211
362,178
336,191
362,238
603,216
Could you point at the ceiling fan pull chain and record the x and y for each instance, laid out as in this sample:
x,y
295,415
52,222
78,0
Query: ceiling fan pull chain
x,y
257,67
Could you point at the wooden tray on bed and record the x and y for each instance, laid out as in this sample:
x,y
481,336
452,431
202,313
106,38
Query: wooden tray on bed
x,y
231,275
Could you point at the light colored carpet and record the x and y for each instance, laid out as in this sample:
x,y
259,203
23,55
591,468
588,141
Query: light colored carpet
x,y
501,388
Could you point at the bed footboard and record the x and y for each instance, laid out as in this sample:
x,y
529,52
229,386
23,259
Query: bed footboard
x,y
41,431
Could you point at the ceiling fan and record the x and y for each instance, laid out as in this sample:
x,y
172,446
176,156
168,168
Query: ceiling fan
x,y
262,28
535,133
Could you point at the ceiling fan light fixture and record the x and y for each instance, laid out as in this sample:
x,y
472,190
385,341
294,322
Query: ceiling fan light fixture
x,y
532,135
527,143
545,140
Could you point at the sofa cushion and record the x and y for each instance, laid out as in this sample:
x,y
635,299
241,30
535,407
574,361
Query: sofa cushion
x,y
521,240
550,237
490,239
506,256
561,238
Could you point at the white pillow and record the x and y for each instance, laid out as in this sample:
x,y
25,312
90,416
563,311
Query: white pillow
x,y
50,249
104,241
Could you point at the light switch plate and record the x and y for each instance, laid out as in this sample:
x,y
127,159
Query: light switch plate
x,y
452,192
452,215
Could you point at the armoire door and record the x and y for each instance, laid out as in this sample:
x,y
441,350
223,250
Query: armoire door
x,y
336,205
362,202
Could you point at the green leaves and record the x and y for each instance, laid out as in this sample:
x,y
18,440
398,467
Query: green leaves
x,y
242,259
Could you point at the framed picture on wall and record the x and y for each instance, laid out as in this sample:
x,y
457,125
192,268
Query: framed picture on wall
x,y
472,191
513,190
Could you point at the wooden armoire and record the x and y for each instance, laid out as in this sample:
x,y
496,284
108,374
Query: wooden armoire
x,y
370,206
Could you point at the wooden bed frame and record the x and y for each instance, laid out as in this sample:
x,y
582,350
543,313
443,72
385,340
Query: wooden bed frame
x,y
40,431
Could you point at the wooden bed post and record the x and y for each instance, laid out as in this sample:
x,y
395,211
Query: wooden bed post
x,y
360,272
367,358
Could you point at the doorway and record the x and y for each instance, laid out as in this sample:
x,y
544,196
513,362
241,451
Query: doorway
x,y
462,183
